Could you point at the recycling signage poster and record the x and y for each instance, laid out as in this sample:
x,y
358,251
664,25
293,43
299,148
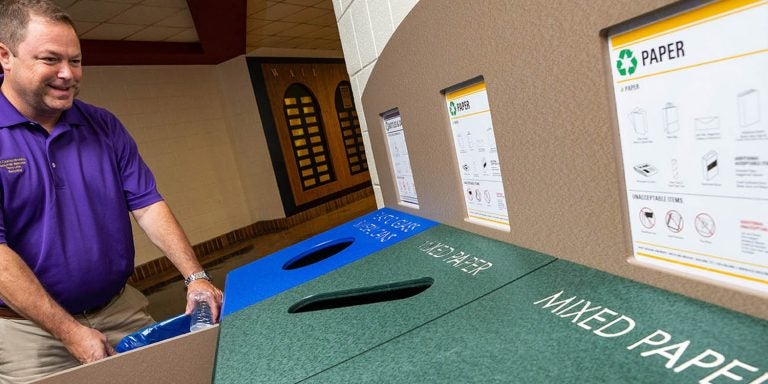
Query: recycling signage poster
x,y
691,93
477,156
399,160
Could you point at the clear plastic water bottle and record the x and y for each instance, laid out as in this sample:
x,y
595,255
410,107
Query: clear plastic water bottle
x,y
201,316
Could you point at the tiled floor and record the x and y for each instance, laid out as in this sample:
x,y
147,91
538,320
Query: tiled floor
x,y
169,300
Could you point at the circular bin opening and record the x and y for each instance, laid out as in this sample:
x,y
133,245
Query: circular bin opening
x,y
318,253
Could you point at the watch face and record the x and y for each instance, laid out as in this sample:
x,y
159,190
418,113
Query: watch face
x,y
196,276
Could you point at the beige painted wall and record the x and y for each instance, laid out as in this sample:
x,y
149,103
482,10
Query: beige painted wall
x,y
365,27
199,130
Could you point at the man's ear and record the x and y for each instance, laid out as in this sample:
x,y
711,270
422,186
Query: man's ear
x,y
6,57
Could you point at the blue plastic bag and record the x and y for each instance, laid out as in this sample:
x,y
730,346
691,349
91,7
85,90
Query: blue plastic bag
x,y
151,334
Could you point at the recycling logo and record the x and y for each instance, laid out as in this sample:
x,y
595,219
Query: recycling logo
x,y
452,108
627,62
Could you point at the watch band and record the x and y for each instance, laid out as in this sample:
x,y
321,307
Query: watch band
x,y
196,276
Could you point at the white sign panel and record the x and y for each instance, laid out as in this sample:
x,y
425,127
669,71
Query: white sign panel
x,y
692,105
399,160
477,156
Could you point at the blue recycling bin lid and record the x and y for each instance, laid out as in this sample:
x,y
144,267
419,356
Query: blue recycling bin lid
x,y
318,255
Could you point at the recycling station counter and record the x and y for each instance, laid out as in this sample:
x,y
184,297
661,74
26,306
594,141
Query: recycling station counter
x,y
353,309
450,306
566,323
442,304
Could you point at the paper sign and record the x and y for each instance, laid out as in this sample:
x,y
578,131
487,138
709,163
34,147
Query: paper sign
x,y
477,157
399,160
692,105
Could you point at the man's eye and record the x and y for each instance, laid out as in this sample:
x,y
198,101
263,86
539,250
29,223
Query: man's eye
x,y
76,62
50,60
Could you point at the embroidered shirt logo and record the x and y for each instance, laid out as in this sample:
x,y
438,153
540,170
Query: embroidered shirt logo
x,y
15,165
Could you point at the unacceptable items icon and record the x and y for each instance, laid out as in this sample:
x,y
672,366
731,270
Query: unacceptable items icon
x,y
647,218
705,225
674,221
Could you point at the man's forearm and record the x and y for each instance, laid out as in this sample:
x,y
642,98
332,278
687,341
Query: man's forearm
x,y
21,290
164,231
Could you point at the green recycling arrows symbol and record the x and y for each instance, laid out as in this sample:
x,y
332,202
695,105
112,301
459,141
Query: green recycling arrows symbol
x,y
627,62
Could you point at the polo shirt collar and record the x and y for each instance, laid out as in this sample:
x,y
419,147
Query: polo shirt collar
x,y
10,116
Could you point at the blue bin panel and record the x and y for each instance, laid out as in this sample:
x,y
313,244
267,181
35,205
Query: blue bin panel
x,y
317,256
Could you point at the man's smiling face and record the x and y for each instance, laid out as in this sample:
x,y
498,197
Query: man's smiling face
x,y
45,70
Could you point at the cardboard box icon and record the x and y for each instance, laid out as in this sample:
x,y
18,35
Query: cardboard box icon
x,y
749,107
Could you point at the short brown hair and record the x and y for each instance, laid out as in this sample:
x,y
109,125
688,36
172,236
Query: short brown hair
x,y
15,16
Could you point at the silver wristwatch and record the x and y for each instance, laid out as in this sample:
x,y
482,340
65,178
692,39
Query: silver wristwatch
x,y
196,276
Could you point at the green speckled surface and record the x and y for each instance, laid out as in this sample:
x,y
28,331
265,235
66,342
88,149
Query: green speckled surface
x,y
506,338
266,344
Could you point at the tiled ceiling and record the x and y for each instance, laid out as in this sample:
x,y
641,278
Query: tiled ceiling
x,y
304,24
307,24
133,20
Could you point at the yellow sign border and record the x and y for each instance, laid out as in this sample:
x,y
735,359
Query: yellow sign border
x,y
709,12
466,91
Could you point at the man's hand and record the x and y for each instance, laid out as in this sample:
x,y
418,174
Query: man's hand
x,y
87,345
20,289
202,285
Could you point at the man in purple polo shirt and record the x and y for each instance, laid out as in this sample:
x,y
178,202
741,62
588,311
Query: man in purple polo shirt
x,y
70,174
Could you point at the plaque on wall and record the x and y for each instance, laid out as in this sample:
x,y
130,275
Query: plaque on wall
x,y
310,148
349,123
312,129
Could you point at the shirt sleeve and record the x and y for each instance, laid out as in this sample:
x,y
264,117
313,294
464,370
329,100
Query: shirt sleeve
x,y
139,186
2,217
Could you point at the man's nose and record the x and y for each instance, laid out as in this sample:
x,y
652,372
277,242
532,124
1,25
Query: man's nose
x,y
66,71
